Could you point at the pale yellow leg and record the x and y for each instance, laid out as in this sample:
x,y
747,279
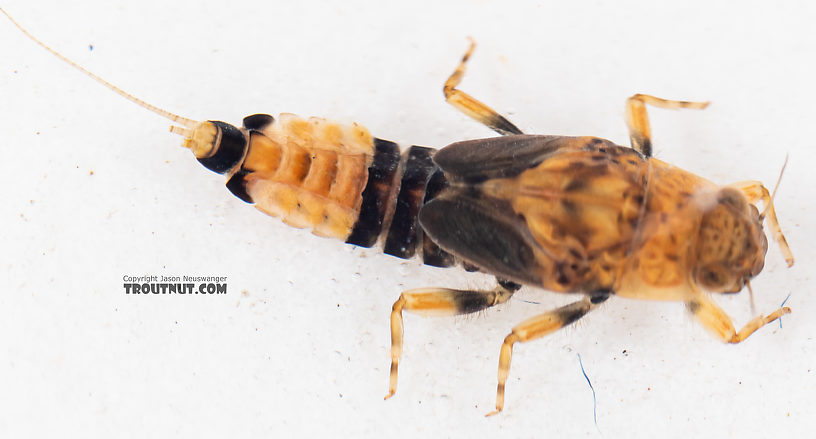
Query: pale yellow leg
x,y
537,327
718,322
470,105
756,191
637,119
438,302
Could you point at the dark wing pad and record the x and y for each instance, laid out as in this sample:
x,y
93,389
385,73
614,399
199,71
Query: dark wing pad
x,y
484,232
498,157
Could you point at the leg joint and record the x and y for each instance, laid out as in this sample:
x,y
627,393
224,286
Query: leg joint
x,y
599,297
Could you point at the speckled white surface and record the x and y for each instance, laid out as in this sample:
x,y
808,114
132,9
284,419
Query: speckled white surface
x,y
94,188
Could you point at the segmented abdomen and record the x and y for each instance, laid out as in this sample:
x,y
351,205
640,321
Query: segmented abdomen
x,y
341,182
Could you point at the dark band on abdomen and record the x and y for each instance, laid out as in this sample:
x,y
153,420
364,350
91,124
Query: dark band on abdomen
x,y
404,233
382,176
398,187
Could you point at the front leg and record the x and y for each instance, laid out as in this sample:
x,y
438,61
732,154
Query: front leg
x,y
640,132
756,191
719,323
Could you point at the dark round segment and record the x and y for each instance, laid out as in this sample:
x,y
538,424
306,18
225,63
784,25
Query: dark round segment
x,y
229,149
257,122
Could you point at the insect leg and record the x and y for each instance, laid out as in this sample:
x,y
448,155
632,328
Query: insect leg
x,y
718,322
439,302
637,119
537,327
471,106
755,191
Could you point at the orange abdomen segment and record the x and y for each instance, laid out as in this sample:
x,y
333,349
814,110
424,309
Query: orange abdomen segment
x,y
309,172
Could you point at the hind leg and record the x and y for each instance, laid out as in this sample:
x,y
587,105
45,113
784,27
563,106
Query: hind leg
x,y
471,106
439,302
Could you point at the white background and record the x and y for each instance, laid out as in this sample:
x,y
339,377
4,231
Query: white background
x,y
94,188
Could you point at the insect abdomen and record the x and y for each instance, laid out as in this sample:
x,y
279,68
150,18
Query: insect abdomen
x,y
308,172
398,186
341,182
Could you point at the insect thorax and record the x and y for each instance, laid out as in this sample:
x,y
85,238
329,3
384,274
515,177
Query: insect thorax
x,y
583,207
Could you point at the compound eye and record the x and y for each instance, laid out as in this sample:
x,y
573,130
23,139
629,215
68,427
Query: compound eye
x,y
732,197
754,211
714,277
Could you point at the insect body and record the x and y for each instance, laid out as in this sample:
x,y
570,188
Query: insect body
x,y
567,214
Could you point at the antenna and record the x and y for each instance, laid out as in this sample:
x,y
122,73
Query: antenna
x,y
773,222
773,195
188,123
